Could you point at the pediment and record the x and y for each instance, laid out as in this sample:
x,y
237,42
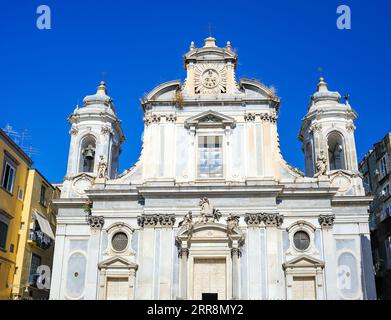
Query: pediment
x,y
256,89
304,261
210,119
164,91
117,263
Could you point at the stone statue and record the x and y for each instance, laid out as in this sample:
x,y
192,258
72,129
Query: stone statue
x,y
321,164
232,222
207,211
102,168
187,223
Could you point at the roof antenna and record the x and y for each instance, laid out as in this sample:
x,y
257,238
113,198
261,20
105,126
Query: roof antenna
x,y
210,29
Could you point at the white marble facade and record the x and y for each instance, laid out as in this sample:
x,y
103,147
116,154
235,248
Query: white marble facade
x,y
211,209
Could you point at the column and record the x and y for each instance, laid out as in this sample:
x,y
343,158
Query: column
x,y
256,256
145,275
326,222
275,274
96,223
58,262
166,222
235,253
183,267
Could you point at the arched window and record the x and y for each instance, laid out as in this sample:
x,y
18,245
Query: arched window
x,y
87,154
336,151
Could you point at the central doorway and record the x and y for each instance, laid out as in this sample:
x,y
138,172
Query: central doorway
x,y
210,279
117,289
304,288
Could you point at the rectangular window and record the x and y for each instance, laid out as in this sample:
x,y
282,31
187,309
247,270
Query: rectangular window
x,y
42,199
8,177
383,165
210,157
35,263
3,234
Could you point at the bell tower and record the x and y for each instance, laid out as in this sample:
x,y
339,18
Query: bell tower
x,y
96,138
327,135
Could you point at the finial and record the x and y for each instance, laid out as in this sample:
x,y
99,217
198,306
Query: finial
x,y
210,42
101,89
192,46
228,45
322,85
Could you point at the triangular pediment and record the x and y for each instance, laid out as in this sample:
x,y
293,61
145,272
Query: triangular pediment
x,y
210,119
117,263
304,261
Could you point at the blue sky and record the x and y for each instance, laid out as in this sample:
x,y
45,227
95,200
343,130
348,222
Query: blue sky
x,y
43,74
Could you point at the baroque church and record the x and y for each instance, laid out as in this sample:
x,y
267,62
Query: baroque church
x,y
211,210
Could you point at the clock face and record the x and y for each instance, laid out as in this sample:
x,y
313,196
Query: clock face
x,y
210,79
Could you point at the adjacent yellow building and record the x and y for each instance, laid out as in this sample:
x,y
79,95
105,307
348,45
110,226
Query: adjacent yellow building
x,y
14,170
27,224
36,239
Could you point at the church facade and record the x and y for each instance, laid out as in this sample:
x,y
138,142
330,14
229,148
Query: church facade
x,y
211,210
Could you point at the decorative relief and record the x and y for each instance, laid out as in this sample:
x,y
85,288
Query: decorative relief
x,y
326,221
269,117
315,128
74,131
267,219
156,220
170,117
183,252
102,168
106,130
210,79
81,184
265,117
95,222
350,127
156,118
235,252
249,116
342,182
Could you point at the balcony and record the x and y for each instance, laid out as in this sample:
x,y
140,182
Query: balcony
x,y
40,239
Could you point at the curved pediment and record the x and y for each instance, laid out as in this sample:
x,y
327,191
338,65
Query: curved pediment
x,y
210,119
209,231
164,91
256,89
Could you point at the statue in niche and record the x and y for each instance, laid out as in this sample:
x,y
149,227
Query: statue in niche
x,y
102,168
321,164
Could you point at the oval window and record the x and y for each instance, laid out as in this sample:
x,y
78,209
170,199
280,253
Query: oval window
x,y
301,240
119,241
